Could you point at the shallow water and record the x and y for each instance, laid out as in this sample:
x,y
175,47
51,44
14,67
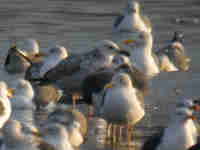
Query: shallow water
x,y
78,24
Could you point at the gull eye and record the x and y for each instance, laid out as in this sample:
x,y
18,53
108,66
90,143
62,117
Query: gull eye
x,y
110,47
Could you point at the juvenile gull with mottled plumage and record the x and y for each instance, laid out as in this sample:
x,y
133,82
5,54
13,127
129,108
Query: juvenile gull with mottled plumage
x,y
173,57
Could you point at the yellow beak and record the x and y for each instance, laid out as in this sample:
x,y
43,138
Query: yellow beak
x,y
10,93
129,41
107,86
192,117
195,108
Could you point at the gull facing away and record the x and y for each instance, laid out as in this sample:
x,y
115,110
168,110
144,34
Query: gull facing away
x,y
180,134
141,55
21,55
5,105
120,105
132,20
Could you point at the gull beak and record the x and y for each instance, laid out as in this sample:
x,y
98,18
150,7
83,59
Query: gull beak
x,y
127,42
10,93
107,86
41,54
195,108
191,117
22,53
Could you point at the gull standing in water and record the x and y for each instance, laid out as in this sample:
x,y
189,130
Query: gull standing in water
x,y
5,105
70,72
141,56
132,20
56,135
15,138
181,132
74,122
22,103
94,84
173,57
120,105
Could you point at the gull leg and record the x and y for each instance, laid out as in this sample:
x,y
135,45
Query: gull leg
x,y
113,134
120,133
108,130
75,96
90,112
128,135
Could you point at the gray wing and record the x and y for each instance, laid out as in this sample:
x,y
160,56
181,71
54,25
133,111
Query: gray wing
x,y
118,20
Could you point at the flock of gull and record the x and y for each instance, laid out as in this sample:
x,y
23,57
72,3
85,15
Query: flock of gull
x,y
113,82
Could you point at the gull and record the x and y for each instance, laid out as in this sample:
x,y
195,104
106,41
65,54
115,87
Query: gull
x,y
56,135
55,56
132,20
180,133
23,107
173,57
120,105
100,56
69,73
47,95
94,84
15,138
21,55
5,105
141,56
73,120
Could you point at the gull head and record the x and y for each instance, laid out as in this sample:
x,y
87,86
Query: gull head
x,y
24,88
58,51
188,104
133,6
119,60
183,114
107,46
5,92
28,47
